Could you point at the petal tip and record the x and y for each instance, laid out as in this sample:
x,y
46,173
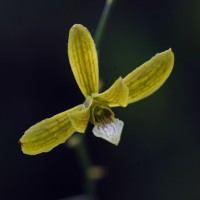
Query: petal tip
x,y
76,28
168,52
20,142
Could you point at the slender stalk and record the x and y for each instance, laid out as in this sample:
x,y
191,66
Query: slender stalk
x,y
86,165
103,22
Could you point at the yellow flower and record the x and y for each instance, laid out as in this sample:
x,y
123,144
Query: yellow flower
x,y
140,83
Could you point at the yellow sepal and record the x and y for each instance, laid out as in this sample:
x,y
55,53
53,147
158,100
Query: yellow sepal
x,y
47,134
150,76
80,119
116,95
83,59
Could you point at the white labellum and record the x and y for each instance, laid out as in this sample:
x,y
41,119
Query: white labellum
x,y
109,130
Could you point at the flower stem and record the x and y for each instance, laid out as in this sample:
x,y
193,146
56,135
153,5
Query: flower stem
x,y
103,22
78,143
85,162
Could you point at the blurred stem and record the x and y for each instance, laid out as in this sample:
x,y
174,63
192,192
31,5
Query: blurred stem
x,y
103,22
86,165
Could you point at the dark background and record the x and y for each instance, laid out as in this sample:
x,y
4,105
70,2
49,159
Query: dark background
x,y
159,154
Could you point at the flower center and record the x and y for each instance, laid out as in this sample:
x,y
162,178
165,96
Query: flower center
x,y
102,115
106,126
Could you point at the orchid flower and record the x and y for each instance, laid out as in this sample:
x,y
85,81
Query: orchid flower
x,y
140,83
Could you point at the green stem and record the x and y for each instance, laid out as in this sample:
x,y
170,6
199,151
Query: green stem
x,y
86,165
103,22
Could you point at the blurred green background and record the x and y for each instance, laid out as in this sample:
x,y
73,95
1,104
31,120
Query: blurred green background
x,y
159,154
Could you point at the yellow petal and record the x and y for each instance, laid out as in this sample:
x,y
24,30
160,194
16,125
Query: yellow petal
x,y
83,59
116,95
47,134
150,76
80,119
